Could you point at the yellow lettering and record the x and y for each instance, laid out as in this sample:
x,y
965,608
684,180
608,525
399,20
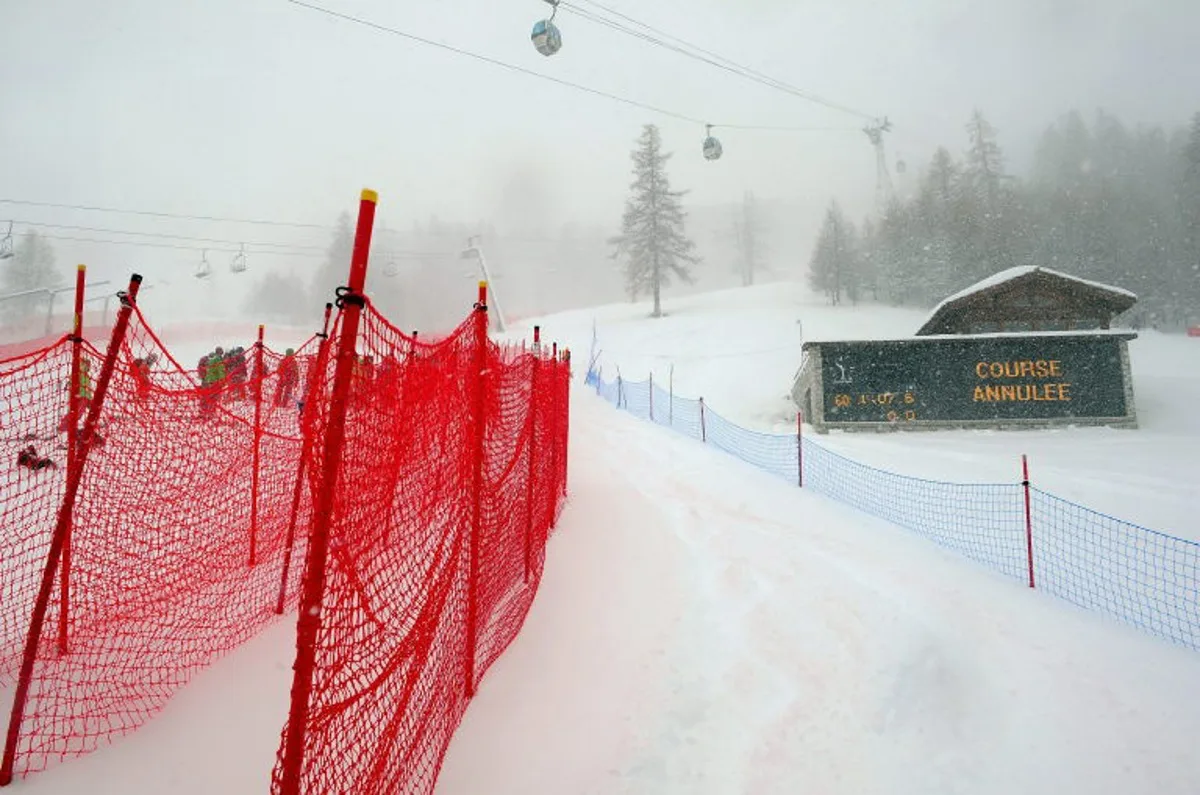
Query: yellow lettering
x,y
996,369
1025,368
981,370
1008,392
1054,367
980,395
1041,368
1063,393
993,393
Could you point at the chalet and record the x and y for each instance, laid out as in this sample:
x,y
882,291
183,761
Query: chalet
x,y
1028,299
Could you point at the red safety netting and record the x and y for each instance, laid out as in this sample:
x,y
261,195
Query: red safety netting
x,y
176,551
452,474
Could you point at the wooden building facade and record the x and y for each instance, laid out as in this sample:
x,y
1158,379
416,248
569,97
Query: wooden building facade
x,y
1028,299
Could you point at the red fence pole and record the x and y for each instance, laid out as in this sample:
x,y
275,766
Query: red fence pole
x,y
254,478
566,415
62,528
671,396
1028,517
481,351
64,597
652,397
534,399
554,463
800,449
305,449
703,429
308,625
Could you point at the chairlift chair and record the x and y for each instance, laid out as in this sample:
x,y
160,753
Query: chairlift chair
x,y
6,243
203,270
712,146
238,263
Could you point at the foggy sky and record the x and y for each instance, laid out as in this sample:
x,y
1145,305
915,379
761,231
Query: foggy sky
x,y
257,108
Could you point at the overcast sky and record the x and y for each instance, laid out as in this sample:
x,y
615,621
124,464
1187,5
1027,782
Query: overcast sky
x,y
261,108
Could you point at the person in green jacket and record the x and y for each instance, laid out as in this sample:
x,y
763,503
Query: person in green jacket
x,y
214,376
81,394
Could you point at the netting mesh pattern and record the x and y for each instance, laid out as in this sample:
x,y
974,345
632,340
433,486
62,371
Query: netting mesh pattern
x,y
451,478
170,562
1138,576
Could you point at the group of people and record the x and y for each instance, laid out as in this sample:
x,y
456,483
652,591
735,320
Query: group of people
x,y
226,373
223,374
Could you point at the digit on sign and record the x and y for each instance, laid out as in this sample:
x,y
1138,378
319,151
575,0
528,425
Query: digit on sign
x,y
891,416
908,398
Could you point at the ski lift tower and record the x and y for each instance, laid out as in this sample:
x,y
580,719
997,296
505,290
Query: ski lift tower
x,y
473,251
883,180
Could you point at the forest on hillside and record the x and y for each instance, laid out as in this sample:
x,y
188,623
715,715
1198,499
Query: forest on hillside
x,y
1103,201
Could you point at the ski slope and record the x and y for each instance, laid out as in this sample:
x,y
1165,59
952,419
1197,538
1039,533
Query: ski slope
x,y
703,628
739,349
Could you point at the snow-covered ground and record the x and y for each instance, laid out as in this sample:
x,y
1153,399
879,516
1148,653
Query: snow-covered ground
x,y
739,349
703,628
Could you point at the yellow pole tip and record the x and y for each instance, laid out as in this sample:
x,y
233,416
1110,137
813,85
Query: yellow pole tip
x,y
369,195
482,283
81,267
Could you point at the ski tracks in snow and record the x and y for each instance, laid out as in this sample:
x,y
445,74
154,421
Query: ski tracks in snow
x,y
821,651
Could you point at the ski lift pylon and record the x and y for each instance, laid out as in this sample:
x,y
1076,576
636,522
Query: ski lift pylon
x,y
547,39
6,243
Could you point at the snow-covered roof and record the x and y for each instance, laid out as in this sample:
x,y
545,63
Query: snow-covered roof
x,y
1011,274
1125,334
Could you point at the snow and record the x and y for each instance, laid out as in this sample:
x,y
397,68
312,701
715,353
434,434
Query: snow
x,y
740,349
705,628
1009,274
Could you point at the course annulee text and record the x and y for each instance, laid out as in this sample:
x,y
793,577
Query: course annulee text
x,y
1021,393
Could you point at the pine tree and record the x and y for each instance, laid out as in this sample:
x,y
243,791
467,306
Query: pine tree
x,y
748,234
652,240
1188,277
985,161
833,268
278,297
32,267
336,267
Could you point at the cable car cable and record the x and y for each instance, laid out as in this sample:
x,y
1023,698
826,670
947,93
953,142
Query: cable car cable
x,y
706,56
489,60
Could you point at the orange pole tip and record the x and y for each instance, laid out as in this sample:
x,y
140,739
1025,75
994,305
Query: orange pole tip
x,y
482,284
369,195
81,267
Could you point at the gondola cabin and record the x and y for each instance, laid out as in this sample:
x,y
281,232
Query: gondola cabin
x,y
546,37
712,148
